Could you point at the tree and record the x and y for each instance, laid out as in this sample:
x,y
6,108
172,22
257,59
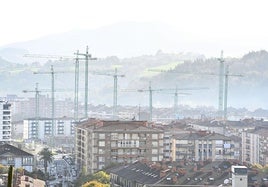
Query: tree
x,y
102,177
93,184
46,156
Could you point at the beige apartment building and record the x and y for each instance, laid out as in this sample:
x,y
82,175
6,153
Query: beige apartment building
x,y
202,146
100,143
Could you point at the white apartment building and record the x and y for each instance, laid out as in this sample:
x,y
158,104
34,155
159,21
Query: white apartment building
x,y
255,146
42,128
5,123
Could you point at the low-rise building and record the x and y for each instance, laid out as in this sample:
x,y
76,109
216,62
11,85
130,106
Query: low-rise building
x,y
137,174
11,155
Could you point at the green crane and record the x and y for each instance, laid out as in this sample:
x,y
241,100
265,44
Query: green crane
x,y
37,94
150,90
52,95
76,88
115,75
87,58
221,85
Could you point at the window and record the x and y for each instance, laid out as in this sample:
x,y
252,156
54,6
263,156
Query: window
x,y
102,136
101,159
114,136
155,144
154,136
135,136
102,143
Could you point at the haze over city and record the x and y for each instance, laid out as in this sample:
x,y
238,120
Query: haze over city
x,y
124,93
236,27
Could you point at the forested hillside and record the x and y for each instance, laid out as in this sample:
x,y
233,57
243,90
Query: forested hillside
x,y
192,71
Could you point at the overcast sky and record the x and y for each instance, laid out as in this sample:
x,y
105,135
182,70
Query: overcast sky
x,y
237,21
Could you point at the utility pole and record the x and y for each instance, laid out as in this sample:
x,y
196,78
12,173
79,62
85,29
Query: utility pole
x,y
87,58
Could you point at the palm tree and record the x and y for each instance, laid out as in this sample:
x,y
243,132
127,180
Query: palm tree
x,y
46,156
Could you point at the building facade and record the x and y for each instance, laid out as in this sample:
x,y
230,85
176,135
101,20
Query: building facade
x,y
201,147
255,146
11,155
42,128
101,143
5,116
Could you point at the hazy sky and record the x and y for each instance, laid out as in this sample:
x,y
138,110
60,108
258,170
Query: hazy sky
x,y
237,21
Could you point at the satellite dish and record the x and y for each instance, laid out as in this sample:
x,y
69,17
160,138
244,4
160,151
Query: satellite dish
x,y
226,181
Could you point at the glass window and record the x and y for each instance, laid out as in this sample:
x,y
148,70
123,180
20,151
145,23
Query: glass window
x,y
102,143
154,136
102,136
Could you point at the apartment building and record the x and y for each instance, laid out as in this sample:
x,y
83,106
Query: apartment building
x,y
202,146
183,146
255,146
42,128
5,124
26,108
100,143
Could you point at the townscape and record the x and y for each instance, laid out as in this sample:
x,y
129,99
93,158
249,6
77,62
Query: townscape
x,y
130,149
133,93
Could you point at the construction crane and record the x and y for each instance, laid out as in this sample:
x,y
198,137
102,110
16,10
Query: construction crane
x,y
76,87
65,58
58,57
87,58
52,93
175,105
223,84
37,106
115,76
150,90
37,93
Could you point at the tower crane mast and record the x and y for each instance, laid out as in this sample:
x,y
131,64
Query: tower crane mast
x,y
150,90
37,108
87,58
52,72
115,75
223,84
37,93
